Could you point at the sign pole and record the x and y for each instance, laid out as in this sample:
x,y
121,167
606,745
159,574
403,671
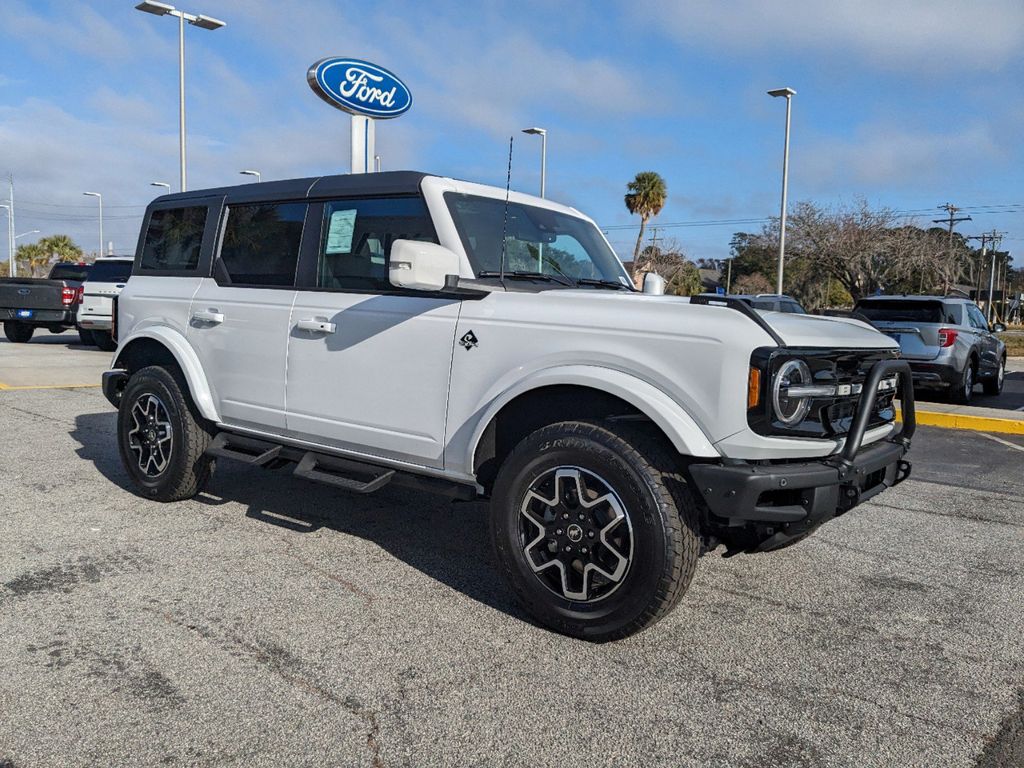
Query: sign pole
x,y
363,144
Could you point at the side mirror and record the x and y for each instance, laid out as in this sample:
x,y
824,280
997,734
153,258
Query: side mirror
x,y
998,328
421,266
654,284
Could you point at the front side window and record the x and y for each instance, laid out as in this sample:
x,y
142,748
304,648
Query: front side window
x,y
357,236
533,239
261,243
977,319
173,239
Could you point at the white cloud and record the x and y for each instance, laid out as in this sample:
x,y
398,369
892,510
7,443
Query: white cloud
x,y
921,35
890,156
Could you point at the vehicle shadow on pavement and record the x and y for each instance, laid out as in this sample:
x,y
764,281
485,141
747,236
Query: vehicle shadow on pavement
x,y
447,541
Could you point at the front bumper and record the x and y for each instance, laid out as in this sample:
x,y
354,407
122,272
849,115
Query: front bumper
x,y
113,384
781,501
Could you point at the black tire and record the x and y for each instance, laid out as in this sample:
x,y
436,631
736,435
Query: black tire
x,y
17,332
86,338
182,470
994,386
642,473
104,341
963,391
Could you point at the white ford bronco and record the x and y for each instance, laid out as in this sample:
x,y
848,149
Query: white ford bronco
x,y
411,329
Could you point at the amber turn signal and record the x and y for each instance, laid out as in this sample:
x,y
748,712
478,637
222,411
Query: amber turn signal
x,y
753,388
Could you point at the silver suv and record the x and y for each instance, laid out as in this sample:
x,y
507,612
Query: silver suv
x,y
946,340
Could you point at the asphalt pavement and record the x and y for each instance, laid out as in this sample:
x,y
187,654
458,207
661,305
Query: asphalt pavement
x,y
275,622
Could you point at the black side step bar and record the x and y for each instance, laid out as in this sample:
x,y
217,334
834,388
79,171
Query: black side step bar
x,y
247,450
327,469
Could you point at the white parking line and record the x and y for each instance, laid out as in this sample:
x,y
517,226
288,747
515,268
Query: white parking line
x,y
1000,440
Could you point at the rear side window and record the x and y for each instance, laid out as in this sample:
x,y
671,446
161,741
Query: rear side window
x,y
110,272
173,239
261,243
894,310
357,237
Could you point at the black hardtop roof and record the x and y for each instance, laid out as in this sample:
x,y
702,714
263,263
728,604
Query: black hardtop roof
x,y
372,184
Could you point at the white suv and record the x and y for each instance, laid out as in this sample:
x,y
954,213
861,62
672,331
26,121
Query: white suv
x,y
411,329
106,278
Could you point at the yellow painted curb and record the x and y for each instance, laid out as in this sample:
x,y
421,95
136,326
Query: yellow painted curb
x,y
9,388
965,421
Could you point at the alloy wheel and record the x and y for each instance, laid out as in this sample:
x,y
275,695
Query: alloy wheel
x,y
151,437
576,534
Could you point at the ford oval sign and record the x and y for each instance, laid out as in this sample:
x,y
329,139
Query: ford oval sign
x,y
359,87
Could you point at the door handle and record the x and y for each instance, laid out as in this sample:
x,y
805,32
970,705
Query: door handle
x,y
317,326
209,316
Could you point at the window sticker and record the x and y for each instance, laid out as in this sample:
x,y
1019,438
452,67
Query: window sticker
x,y
339,232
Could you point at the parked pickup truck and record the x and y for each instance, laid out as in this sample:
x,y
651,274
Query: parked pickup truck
x,y
27,303
403,328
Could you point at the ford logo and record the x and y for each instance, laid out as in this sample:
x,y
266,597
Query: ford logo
x,y
24,291
359,87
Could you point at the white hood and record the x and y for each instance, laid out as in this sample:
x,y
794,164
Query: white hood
x,y
816,331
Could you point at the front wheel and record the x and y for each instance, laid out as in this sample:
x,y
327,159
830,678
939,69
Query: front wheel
x,y
594,528
17,332
161,438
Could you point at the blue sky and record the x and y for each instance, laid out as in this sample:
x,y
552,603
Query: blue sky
x,y
905,102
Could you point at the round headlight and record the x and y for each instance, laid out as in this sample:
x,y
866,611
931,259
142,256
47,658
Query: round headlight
x,y
791,410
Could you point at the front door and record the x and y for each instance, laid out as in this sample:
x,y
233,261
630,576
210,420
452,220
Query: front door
x,y
369,366
239,318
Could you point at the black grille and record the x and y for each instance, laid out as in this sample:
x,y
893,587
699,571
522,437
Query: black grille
x,y
829,416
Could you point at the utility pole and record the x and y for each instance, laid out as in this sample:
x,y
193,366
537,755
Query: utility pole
x,y
988,238
953,220
10,226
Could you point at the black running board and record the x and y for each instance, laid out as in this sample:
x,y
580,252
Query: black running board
x,y
247,450
328,469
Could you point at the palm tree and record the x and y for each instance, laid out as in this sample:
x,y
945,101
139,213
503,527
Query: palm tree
x,y
63,247
32,256
645,197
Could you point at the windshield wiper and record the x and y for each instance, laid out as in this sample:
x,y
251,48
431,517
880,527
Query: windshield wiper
x,y
525,275
602,283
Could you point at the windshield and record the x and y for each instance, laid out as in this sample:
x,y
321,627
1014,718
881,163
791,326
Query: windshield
x,y
110,271
537,240
73,272
914,311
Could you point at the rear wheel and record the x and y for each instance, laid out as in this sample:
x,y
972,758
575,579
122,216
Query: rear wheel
x,y
964,389
85,336
594,528
994,386
104,340
17,332
161,437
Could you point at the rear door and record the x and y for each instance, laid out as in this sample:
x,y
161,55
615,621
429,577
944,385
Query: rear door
x,y
369,365
238,322
914,323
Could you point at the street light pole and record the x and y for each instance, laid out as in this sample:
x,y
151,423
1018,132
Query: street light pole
x,y
542,132
99,197
196,20
10,240
163,184
788,93
257,174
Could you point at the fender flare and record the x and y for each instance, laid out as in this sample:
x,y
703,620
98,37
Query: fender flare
x,y
187,360
679,427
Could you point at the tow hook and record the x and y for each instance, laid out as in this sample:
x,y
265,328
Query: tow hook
x,y
902,471
849,496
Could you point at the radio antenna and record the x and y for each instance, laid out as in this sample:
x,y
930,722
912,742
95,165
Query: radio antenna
x,y
504,220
